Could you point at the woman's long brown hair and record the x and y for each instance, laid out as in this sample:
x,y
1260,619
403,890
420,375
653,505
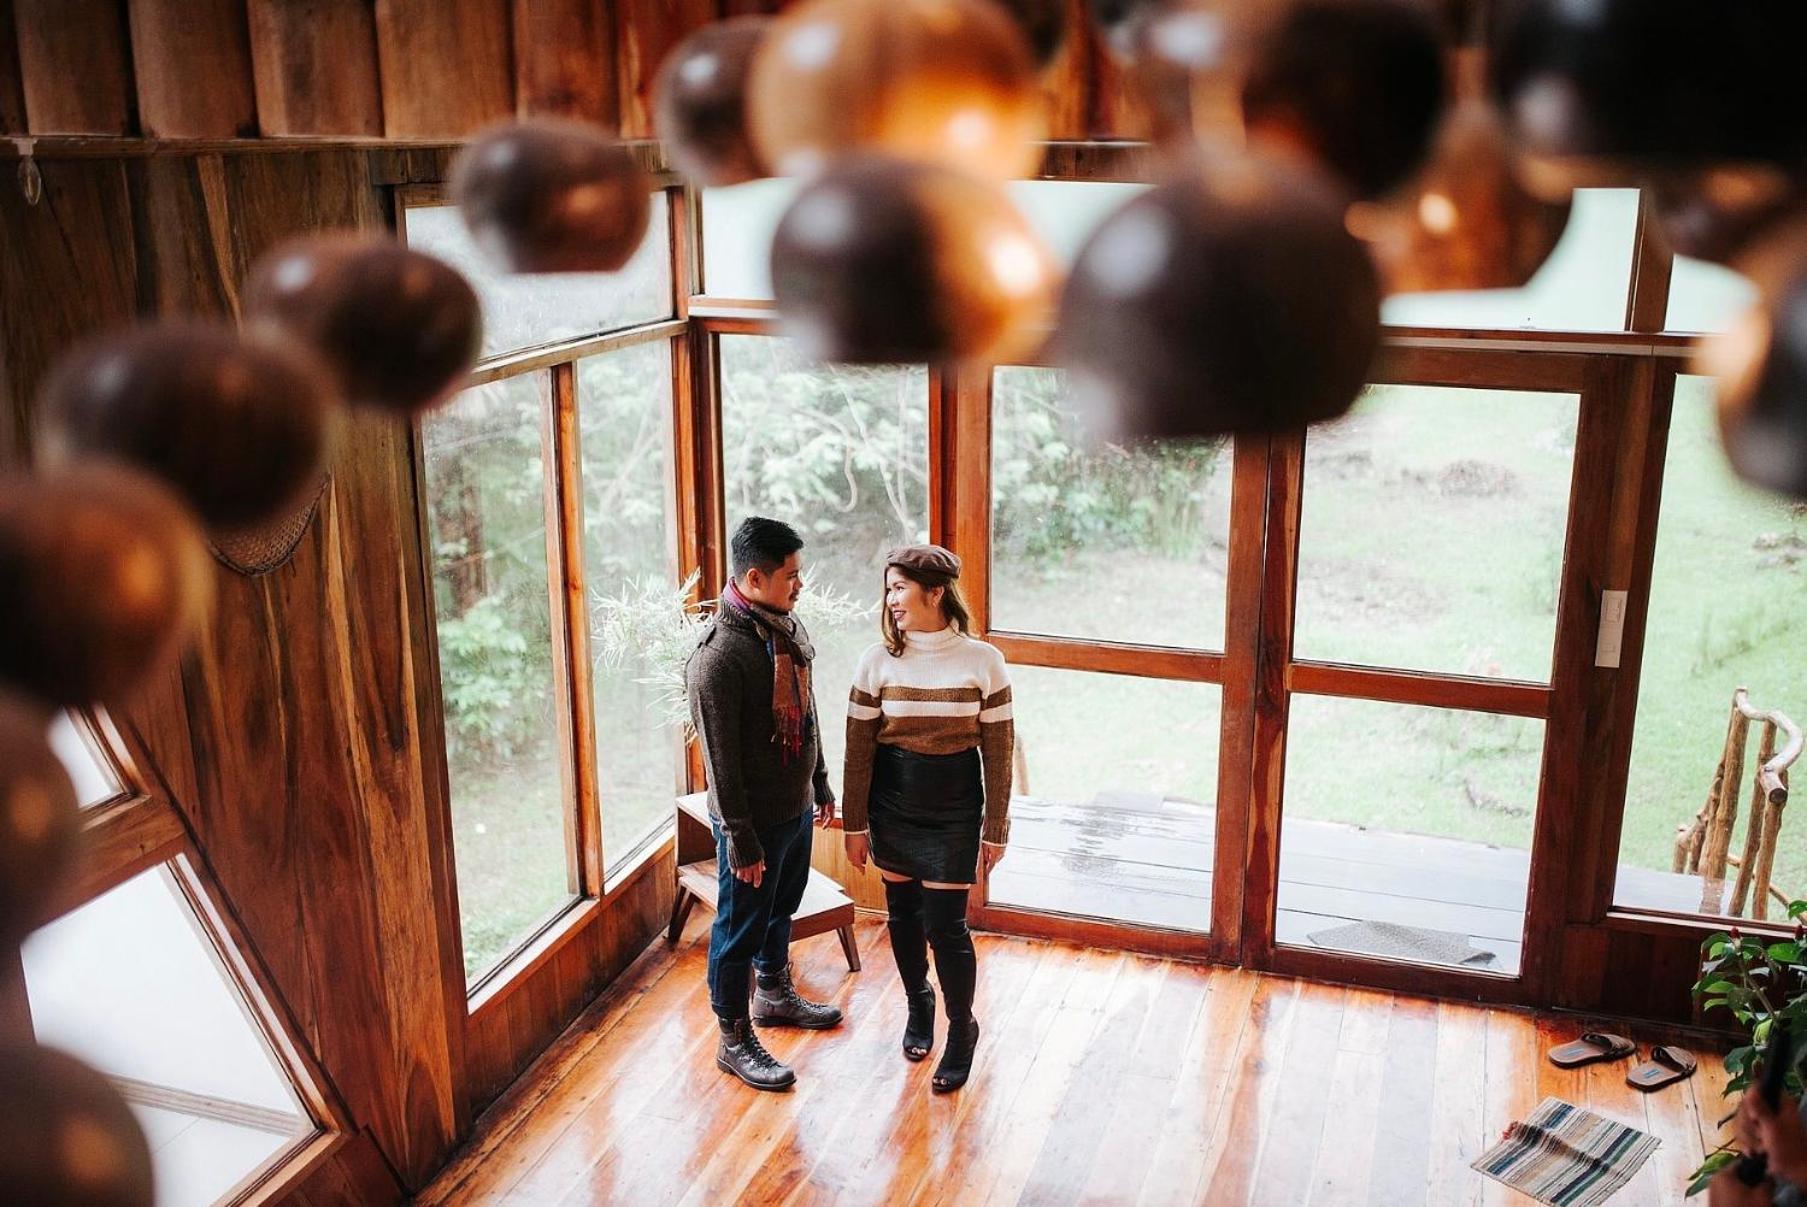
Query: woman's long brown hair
x,y
953,606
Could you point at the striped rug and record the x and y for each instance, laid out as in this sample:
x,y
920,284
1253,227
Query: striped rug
x,y
1567,1156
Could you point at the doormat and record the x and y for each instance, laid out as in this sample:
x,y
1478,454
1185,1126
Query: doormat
x,y
1416,943
1567,1156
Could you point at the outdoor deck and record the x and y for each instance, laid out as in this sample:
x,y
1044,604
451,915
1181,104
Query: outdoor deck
x,y
1140,858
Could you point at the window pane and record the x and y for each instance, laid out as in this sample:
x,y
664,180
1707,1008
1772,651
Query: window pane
x,y
485,483
738,224
1706,297
93,779
1725,592
528,310
841,453
1433,531
1583,286
128,983
1112,820
1114,543
624,413
1406,831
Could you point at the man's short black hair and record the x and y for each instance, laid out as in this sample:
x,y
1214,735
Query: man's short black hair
x,y
762,544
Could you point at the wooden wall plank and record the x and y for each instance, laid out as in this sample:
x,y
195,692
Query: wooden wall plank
x,y
12,84
1066,80
355,1173
447,66
644,31
182,235
565,60
75,65
192,63
314,64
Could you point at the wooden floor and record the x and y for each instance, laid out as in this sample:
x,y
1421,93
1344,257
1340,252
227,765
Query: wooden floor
x,y
1146,859
1102,1078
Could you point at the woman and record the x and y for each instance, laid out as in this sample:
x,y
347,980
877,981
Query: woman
x,y
927,787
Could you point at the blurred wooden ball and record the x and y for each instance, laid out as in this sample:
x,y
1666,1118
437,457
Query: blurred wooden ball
x,y
550,195
1593,90
1355,86
400,330
1715,212
1761,364
103,574
1230,300
236,424
1466,222
39,817
70,1140
883,260
949,82
700,102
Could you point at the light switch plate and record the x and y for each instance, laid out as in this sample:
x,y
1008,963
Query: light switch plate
x,y
1611,641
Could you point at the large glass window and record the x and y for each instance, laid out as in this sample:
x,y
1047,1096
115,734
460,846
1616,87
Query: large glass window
x,y
1433,531
1725,592
1706,297
532,310
1406,831
842,454
1583,286
486,503
1115,798
624,413
1114,543
131,984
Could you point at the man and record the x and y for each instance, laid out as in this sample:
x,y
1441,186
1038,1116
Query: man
x,y
753,707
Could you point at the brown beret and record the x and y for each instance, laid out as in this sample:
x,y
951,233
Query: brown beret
x,y
925,559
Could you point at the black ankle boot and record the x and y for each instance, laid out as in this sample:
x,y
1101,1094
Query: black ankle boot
x,y
741,1054
919,1030
957,1059
776,1003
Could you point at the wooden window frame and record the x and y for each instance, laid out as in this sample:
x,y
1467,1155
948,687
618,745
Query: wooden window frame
x,y
594,883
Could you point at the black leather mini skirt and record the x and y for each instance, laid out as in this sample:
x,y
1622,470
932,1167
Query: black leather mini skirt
x,y
925,811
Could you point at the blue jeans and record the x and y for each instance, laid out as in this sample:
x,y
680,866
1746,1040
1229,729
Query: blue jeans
x,y
753,925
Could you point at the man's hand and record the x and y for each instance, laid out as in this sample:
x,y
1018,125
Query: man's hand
x,y
753,873
825,812
1777,1133
1725,1190
858,848
989,855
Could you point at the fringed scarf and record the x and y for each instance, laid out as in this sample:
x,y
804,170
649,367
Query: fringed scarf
x,y
791,653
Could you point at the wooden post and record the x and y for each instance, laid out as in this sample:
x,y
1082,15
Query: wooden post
x,y
1766,854
1725,811
1753,830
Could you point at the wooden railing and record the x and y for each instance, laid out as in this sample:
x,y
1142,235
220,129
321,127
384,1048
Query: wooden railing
x,y
1703,845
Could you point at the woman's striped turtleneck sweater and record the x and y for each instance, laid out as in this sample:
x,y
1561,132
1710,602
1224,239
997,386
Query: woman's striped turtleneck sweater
x,y
945,693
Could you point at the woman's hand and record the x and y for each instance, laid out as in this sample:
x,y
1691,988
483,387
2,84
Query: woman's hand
x,y
1778,1133
825,813
858,847
989,854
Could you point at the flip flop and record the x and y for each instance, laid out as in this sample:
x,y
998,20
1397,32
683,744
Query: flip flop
x,y
1592,1047
1666,1066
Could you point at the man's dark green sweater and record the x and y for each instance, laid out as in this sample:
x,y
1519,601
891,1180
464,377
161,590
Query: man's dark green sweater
x,y
752,786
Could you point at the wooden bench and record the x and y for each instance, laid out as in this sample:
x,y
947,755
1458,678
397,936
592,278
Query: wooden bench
x,y
825,907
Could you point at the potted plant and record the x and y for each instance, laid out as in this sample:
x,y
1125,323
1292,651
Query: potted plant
x,y
1760,981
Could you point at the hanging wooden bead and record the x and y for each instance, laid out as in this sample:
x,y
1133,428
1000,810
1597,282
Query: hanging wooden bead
x,y
103,574
1599,92
399,329
700,103
550,195
883,260
948,82
237,425
1761,364
39,817
70,1140
1354,86
1230,300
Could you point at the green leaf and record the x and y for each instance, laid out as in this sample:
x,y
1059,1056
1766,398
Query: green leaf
x,y
1709,1169
1785,953
1797,908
